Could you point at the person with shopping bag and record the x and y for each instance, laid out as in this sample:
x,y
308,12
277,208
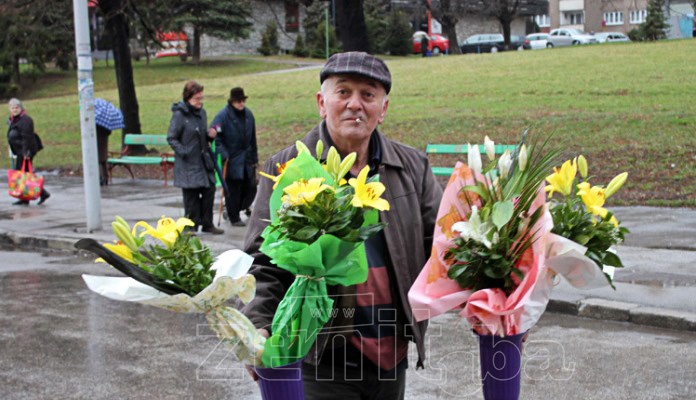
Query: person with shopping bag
x,y
24,144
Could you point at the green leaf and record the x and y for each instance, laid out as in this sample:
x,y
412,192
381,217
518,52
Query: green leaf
x,y
306,233
612,260
502,213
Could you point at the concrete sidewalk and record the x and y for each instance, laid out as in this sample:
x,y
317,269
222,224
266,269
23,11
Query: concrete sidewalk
x,y
656,288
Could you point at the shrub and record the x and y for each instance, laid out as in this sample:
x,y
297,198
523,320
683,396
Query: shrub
x,y
398,35
300,50
269,40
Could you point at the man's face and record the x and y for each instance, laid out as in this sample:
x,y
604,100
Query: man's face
x,y
352,106
197,100
239,104
15,110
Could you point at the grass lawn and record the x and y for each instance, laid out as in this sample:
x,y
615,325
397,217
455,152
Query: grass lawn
x,y
626,107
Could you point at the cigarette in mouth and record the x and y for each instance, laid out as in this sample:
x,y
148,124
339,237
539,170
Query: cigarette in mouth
x,y
357,120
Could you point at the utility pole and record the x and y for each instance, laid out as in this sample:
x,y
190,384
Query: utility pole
x,y
85,87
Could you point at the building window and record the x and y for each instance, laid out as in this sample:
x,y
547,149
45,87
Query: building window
x,y
613,18
638,16
542,21
292,17
573,18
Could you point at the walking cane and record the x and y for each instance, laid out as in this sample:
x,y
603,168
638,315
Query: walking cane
x,y
222,190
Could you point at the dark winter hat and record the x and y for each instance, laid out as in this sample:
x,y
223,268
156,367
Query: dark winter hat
x,y
358,63
237,94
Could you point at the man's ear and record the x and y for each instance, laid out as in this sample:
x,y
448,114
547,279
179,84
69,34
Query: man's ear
x,y
384,111
321,105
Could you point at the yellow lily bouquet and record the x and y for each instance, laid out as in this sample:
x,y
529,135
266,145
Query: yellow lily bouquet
x,y
170,269
579,214
319,221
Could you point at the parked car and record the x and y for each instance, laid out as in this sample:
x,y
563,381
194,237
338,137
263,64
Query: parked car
x,y
438,43
490,43
609,37
536,41
568,37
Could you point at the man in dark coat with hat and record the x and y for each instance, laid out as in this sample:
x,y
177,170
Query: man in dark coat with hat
x,y
236,143
362,351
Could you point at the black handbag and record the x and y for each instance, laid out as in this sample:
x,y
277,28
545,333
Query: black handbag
x,y
208,162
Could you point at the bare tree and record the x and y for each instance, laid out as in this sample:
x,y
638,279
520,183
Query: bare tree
x,y
448,12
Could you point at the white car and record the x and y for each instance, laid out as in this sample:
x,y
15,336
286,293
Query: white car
x,y
610,37
536,41
567,37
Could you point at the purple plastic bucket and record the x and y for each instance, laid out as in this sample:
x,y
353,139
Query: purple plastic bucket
x,y
501,360
281,383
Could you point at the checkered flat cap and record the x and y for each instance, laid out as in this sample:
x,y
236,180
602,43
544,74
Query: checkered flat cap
x,y
357,63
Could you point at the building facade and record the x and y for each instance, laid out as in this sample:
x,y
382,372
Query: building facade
x,y
607,15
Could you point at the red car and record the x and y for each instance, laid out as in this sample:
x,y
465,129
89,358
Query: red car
x,y
438,43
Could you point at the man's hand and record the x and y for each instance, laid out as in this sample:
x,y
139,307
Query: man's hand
x,y
263,332
212,133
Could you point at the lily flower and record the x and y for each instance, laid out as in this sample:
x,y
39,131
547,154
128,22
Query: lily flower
x,y
167,230
474,158
303,191
562,179
475,229
522,158
504,164
490,147
120,250
582,166
281,170
616,184
368,194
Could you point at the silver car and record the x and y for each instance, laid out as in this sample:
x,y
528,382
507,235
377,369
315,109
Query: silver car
x,y
569,37
610,37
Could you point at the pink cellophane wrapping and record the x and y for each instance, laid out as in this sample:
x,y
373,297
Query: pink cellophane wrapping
x,y
491,311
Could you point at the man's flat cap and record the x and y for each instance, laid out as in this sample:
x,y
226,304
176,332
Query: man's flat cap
x,y
357,63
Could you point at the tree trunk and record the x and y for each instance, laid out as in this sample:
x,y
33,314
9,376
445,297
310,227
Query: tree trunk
x,y
117,25
15,77
449,28
196,45
505,23
350,24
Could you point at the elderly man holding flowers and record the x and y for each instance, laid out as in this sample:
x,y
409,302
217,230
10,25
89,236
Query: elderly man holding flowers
x,y
363,347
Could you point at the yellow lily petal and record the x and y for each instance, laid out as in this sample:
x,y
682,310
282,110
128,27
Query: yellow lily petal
x,y
562,179
304,191
368,194
593,197
120,250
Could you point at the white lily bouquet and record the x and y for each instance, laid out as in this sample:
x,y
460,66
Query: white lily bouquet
x,y
178,273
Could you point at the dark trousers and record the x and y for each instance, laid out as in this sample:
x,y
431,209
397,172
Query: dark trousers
x,y
329,383
18,166
240,197
198,205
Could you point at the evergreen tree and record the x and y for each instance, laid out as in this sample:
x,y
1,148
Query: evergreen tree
x,y
38,32
222,19
315,31
269,40
377,26
300,50
655,23
398,36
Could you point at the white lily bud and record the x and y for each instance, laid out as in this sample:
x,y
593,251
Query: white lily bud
x,y
504,164
522,158
490,147
474,158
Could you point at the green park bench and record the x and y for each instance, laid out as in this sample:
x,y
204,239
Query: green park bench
x,y
164,159
459,149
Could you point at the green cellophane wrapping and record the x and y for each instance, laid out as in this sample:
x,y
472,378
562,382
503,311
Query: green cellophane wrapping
x,y
329,260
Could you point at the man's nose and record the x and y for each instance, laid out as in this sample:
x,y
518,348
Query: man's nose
x,y
354,102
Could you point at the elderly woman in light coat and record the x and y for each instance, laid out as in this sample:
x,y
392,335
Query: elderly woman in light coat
x,y
193,169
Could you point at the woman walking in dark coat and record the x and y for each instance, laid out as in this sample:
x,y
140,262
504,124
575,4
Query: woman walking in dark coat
x,y
194,170
23,141
236,143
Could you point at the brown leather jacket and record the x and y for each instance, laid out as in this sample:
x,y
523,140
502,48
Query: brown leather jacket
x,y
414,196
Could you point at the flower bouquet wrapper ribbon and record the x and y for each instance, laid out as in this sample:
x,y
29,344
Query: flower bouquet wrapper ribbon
x,y
231,280
329,260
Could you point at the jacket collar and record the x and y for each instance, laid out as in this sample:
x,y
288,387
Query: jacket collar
x,y
388,154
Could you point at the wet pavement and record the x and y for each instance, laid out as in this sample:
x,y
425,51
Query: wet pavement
x,y
59,340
